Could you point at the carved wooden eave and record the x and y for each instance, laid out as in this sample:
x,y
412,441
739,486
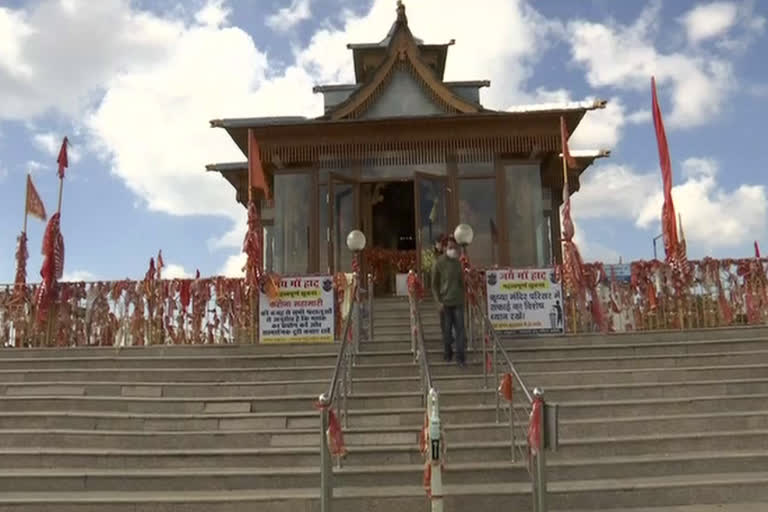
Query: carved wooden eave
x,y
403,53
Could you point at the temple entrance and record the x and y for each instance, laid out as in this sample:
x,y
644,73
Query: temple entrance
x,y
402,219
389,220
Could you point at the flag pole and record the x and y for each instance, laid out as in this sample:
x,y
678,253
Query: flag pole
x,y
26,204
574,323
61,189
251,298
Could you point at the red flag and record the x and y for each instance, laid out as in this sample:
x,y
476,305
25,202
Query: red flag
x,y
256,178
62,160
53,265
757,250
34,206
20,281
569,160
668,220
160,264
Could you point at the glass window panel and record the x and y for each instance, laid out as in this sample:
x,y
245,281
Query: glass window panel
x,y
477,207
528,232
292,223
434,210
344,221
269,248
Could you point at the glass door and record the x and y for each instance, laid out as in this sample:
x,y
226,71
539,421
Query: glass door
x,y
343,214
431,200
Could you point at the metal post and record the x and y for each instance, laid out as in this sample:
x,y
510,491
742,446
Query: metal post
x,y
512,424
370,307
326,468
470,328
357,317
484,336
435,441
540,463
496,380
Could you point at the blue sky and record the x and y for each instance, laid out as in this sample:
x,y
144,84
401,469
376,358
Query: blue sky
x,y
134,84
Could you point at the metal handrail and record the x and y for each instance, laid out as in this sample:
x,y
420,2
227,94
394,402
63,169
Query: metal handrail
x,y
418,346
433,434
537,466
341,382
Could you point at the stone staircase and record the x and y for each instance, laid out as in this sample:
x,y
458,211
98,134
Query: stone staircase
x,y
647,420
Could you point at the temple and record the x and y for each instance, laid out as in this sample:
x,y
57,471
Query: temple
x,y
405,156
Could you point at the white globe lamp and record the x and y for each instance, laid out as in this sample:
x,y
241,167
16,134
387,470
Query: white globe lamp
x,y
356,240
464,234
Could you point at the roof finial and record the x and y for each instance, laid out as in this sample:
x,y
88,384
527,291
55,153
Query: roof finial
x,y
401,12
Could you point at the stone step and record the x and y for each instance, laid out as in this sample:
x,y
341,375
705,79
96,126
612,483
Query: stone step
x,y
180,438
276,373
459,452
444,374
96,480
524,343
567,350
533,363
370,400
285,359
524,362
451,385
590,494
643,336
462,424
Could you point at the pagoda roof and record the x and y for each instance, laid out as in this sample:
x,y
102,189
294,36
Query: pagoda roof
x,y
400,50
273,126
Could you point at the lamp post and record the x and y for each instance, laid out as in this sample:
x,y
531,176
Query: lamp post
x,y
464,234
356,244
654,246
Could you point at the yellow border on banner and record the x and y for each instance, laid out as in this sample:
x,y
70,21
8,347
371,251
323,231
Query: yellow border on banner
x,y
297,340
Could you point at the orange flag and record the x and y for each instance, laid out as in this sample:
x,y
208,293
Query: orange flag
x,y
35,206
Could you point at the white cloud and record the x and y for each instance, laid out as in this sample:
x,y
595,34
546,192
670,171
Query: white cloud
x,y
694,168
77,276
600,129
213,14
624,57
639,117
173,271
708,21
288,17
33,166
14,30
62,53
611,190
713,217
50,143
233,267
591,250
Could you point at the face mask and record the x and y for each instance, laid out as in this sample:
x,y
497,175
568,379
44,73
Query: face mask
x,y
452,253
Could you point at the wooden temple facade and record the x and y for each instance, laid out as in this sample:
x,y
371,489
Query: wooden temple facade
x,y
405,156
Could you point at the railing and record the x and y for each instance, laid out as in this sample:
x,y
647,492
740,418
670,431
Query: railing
x,y
339,389
432,438
540,418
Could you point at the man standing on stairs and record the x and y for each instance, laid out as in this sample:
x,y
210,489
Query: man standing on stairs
x,y
448,290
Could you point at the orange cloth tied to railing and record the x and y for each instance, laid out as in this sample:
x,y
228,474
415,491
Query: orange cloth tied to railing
x,y
534,427
505,387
